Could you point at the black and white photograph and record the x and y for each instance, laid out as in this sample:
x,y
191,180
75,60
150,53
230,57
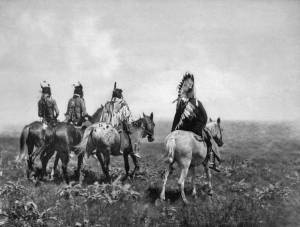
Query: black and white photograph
x,y
149,113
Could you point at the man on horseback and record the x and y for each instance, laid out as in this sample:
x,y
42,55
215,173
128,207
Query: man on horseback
x,y
47,107
117,113
76,111
191,116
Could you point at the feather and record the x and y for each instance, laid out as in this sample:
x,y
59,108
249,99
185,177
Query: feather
x,y
186,76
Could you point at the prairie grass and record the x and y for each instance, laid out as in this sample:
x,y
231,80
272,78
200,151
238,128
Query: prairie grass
x,y
259,186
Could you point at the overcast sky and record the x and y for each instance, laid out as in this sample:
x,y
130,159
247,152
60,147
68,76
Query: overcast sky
x,y
245,55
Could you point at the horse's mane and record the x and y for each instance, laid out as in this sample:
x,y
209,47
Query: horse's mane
x,y
138,122
97,111
211,124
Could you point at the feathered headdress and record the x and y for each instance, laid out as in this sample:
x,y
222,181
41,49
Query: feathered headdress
x,y
45,87
78,89
117,92
186,76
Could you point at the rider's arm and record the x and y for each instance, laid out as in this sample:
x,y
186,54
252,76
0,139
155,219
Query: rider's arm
x,y
177,116
83,108
126,114
202,112
55,108
67,114
40,109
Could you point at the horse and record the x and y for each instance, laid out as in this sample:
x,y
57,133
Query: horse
x,y
107,141
63,140
33,136
184,148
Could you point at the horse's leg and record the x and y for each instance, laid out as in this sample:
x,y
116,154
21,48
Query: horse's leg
x,y
54,166
208,176
193,181
45,157
79,164
126,165
64,157
106,163
163,191
184,172
30,147
99,156
136,164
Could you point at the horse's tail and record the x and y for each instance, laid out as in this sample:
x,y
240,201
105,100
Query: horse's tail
x,y
170,147
85,145
23,139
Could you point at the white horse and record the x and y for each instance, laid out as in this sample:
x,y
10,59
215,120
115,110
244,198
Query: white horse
x,y
184,148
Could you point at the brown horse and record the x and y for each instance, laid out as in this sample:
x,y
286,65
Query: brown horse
x,y
63,140
40,141
184,148
107,141
32,136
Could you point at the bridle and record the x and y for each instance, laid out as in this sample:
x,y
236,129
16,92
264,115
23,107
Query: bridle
x,y
146,131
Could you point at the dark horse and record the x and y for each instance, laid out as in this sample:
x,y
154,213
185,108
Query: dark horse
x,y
61,138
32,136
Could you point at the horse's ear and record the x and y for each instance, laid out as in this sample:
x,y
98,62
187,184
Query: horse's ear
x,y
210,120
218,120
151,116
115,85
144,115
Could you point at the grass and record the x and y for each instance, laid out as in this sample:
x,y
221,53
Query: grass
x,y
259,186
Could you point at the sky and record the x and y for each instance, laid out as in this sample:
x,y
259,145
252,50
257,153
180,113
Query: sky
x,y
244,55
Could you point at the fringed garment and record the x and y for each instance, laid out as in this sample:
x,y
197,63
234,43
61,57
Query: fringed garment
x,y
116,112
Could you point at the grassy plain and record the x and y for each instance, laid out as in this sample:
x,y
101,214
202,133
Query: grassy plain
x,y
259,186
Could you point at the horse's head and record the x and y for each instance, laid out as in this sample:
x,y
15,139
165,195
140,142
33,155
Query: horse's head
x,y
216,131
148,125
